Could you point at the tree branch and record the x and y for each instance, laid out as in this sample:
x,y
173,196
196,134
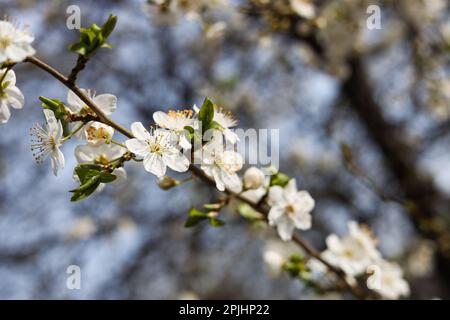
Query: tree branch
x,y
355,290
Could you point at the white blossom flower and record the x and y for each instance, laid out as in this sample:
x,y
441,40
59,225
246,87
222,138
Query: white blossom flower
x,y
97,132
226,120
47,141
253,178
177,121
102,154
276,254
158,149
304,8
354,252
10,95
222,165
256,184
15,44
290,209
94,132
386,278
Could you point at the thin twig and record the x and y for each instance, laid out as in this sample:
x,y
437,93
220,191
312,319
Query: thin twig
x,y
197,172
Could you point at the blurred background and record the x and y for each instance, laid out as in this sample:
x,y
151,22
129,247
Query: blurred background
x,y
364,119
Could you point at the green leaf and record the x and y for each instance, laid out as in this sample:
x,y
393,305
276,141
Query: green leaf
x,y
84,192
189,129
106,177
90,166
212,206
279,179
206,113
195,217
109,26
296,258
94,37
216,222
95,29
55,105
93,180
85,174
215,125
90,176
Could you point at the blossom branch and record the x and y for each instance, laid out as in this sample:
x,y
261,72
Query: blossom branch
x,y
101,117
75,89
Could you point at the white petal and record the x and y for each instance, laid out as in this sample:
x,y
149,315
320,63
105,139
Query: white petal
x,y
100,188
51,120
139,131
58,161
59,133
218,179
74,103
15,97
16,53
302,220
334,243
10,76
121,175
85,153
106,102
230,136
232,181
177,162
184,141
5,114
305,201
291,188
275,195
275,214
285,229
154,163
254,195
138,147
162,120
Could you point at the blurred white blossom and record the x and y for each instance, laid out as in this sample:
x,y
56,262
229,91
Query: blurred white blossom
x,y
15,44
47,140
290,209
10,95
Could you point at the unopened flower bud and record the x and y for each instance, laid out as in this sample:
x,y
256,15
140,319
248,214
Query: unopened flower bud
x,y
253,178
167,182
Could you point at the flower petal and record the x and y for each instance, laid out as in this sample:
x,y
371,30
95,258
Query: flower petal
x,y
138,147
285,229
10,76
5,114
139,131
74,103
275,195
177,162
58,161
162,120
218,179
106,102
275,214
154,163
232,181
15,97
85,153
302,220
51,120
